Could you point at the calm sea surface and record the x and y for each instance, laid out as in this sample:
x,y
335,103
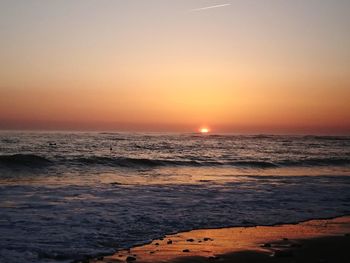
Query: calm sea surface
x,y
65,196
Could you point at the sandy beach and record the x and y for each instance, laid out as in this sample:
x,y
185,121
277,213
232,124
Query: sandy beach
x,y
325,240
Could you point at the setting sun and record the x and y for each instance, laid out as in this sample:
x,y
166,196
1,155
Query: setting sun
x,y
204,130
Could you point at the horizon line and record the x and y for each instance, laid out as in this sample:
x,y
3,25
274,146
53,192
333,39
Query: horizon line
x,y
33,130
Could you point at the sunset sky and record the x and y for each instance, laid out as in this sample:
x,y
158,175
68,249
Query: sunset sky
x,y
241,66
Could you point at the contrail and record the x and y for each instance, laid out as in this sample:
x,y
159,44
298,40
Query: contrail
x,y
208,7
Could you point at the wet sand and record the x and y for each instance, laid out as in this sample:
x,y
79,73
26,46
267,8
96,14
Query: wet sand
x,y
311,241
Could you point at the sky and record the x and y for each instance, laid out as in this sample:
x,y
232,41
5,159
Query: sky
x,y
238,66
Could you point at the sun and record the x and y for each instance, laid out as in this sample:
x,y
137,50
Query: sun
x,y
204,130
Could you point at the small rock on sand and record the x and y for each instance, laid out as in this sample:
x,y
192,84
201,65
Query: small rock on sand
x,y
190,240
266,245
295,245
283,254
130,259
169,242
186,250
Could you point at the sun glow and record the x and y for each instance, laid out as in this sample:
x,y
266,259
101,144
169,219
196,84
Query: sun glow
x,y
204,130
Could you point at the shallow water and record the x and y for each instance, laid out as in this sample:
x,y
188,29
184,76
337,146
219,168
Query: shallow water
x,y
64,196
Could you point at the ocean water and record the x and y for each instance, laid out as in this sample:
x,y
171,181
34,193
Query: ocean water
x,y
68,196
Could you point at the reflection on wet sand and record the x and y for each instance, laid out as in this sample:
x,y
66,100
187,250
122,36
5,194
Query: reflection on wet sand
x,y
210,244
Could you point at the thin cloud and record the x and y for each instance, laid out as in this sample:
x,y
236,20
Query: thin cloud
x,y
208,7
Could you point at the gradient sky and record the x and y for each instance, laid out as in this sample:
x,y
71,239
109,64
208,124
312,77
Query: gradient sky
x,y
256,66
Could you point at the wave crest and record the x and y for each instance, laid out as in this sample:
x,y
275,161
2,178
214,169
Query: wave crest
x,y
35,161
24,160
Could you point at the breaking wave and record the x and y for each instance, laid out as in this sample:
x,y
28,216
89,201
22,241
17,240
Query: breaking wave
x,y
36,161
24,160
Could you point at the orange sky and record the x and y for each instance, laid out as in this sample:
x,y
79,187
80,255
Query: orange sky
x,y
160,66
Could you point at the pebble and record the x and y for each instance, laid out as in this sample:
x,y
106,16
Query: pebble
x,y
186,250
283,254
266,245
130,258
295,245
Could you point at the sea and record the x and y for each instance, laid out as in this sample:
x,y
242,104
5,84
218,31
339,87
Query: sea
x,y
66,197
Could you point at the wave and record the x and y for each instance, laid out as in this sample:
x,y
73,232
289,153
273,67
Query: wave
x,y
317,162
254,164
9,140
24,160
139,162
327,138
35,161
133,162
144,162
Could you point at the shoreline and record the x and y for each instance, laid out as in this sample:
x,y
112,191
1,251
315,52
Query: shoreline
x,y
279,242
